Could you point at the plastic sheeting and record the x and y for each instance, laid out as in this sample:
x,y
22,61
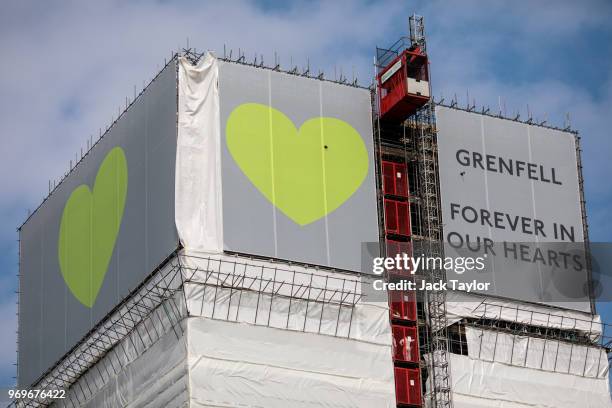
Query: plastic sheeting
x,y
477,383
198,207
147,368
247,356
462,304
505,370
237,365
536,353
272,334
157,378
251,341
284,296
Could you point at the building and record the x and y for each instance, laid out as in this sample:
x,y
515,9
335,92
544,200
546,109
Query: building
x,y
226,222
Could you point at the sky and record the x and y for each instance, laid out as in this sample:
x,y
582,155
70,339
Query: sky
x,y
67,66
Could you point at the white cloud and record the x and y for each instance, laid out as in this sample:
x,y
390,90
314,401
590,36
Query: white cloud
x,y
90,55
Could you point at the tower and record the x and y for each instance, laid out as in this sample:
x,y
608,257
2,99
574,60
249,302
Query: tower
x,y
406,141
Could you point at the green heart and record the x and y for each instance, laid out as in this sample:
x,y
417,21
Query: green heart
x,y
89,228
305,173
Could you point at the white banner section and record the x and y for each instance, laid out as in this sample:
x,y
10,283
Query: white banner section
x,y
198,205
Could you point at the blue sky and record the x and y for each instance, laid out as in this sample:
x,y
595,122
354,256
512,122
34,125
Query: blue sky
x,y
66,67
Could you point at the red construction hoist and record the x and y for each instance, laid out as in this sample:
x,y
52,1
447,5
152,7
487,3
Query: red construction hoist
x,y
402,304
403,88
403,85
406,137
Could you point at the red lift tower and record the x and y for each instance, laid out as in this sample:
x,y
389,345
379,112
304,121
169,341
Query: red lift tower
x,y
406,147
403,85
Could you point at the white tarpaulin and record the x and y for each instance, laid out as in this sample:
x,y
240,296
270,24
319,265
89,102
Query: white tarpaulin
x,y
198,206
147,368
157,378
537,353
239,365
224,364
462,304
271,334
477,383
259,334
284,296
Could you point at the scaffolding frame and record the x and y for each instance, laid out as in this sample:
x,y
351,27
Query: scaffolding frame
x,y
194,56
423,128
553,329
154,293
334,292
162,298
416,139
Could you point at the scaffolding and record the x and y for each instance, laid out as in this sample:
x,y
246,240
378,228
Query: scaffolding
x,y
155,297
422,125
414,142
545,341
166,298
255,292
240,57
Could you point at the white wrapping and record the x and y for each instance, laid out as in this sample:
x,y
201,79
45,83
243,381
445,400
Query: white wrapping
x,y
462,304
271,334
479,383
541,354
238,365
157,378
147,368
198,209
261,294
263,353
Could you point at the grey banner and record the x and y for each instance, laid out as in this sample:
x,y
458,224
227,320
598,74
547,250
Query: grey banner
x,y
503,181
293,111
55,310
